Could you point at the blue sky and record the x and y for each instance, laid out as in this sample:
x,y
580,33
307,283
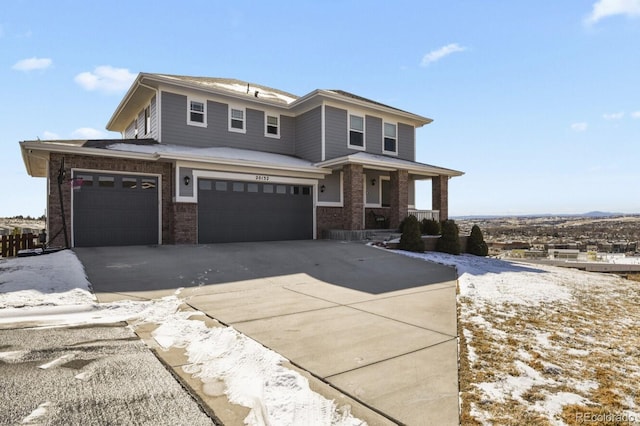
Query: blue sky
x,y
538,102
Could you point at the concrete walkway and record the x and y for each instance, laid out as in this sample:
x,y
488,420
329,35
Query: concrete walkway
x,y
374,325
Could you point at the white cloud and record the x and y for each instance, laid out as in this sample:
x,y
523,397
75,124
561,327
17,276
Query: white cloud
x,y
436,55
31,64
87,133
106,79
47,135
613,116
606,8
579,127
635,115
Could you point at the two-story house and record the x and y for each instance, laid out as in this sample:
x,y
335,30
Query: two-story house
x,y
205,160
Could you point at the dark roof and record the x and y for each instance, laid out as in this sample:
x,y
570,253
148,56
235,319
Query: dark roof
x,y
103,143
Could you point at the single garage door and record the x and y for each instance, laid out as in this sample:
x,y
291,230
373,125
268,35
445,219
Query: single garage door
x,y
114,209
230,211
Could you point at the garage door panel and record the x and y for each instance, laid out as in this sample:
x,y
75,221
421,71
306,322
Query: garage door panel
x,y
260,212
115,210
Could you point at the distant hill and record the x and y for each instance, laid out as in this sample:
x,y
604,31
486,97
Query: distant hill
x,y
592,214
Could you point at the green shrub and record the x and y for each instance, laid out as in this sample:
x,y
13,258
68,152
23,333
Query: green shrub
x,y
476,244
430,227
449,242
401,226
411,239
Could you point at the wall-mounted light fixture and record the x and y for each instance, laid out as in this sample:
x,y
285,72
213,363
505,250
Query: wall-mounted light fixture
x,y
373,182
322,188
187,179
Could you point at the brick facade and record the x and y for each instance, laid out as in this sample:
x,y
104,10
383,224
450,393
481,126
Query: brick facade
x,y
398,197
440,196
113,165
328,218
185,223
353,194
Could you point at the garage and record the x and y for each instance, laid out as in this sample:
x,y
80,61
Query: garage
x,y
114,209
236,211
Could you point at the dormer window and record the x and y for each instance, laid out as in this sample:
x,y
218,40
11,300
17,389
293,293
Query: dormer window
x,y
147,120
237,120
356,132
197,113
390,139
272,126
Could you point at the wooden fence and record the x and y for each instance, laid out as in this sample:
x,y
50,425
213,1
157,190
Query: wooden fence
x,y
11,244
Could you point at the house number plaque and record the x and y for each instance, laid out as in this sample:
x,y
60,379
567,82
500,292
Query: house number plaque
x,y
262,178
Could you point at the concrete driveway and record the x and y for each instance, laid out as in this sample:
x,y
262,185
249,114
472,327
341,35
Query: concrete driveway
x,y
377,326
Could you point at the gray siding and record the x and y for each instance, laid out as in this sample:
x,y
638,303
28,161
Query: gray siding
x,y
336,132
175,129
406,142
331,188
129,132
373,133
308,132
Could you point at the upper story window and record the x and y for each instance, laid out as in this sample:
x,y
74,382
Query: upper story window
x,y
237,119
147,120
356,132
135,128
197,114
272,126
390,139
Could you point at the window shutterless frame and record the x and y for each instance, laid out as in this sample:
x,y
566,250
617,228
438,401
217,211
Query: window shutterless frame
x,y
197,112
389,138
272,125
237,119
356,135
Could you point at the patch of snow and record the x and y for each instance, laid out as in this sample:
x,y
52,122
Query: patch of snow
x,y
51,279
578,352
584,386
84,376
12,356
56,362
553,403
37,413
524,355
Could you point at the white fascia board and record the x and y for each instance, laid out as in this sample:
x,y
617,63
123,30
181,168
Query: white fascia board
x,y
387,166
242,163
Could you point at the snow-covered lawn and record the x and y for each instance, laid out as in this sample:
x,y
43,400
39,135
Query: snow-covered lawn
x,y
545,345
52,291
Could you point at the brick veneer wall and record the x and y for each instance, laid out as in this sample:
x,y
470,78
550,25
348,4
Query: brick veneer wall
x,y
398,197
370,220
72,161
185,223
353,197
328,218
440,196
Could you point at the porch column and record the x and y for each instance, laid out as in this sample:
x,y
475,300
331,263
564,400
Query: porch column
x,y
353,197
398,197
440,196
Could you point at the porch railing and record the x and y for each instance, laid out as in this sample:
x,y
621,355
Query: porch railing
x,y
425,214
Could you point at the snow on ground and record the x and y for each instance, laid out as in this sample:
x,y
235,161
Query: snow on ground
x,y
53,291
544,345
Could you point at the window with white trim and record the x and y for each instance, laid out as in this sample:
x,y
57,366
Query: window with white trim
x,y
390,138
197,114
356,131
135,128
271,125
237,119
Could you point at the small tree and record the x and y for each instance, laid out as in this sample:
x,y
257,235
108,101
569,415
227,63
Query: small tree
x,y
449,242
476,244
411,239
401,226
430,227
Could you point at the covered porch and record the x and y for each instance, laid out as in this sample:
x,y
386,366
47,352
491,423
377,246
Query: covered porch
x,y
378,192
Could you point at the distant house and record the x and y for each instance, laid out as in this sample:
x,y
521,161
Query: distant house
x,y
206,160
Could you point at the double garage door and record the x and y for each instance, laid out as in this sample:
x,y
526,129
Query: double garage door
x,y
230,211
114,209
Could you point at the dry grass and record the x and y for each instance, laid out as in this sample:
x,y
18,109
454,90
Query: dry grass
x,y
588,348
